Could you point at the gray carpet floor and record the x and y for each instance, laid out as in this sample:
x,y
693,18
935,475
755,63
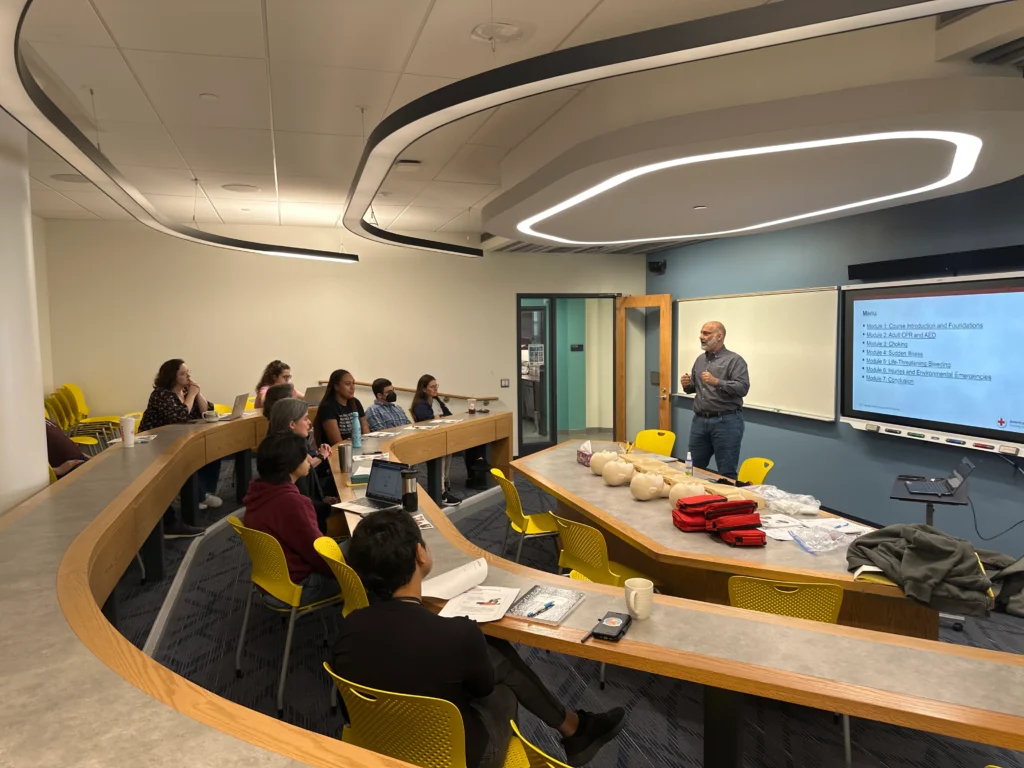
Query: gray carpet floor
x,y
665,725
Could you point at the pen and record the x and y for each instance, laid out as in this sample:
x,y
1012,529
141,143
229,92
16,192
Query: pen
x,y
587,636
539,611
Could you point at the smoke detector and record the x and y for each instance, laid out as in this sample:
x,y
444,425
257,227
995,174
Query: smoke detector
x,y
244,188
496,33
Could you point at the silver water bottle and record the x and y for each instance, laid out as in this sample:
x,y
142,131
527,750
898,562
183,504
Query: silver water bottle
x,y
345,457
410,491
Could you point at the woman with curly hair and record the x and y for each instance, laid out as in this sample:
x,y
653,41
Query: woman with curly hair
x,y
276,372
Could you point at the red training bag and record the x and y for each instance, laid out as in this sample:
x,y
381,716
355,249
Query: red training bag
x,y
689,514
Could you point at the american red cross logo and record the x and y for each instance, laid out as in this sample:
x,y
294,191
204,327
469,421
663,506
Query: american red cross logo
x,y
1001,423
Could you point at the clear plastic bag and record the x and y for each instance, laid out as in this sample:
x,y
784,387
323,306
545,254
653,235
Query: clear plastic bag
x,y
785,503
817,540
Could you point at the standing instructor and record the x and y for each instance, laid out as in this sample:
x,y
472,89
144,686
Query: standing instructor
x,y
720,380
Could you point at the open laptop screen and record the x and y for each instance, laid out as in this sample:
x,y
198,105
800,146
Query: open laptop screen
x,y
385,483
961,473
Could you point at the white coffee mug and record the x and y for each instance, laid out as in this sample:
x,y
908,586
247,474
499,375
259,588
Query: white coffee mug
x,y
127,431
639,597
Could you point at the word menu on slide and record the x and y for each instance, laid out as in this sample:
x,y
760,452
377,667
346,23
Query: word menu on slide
x,y
952,358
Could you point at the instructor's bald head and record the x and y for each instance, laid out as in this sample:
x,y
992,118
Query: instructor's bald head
x,y
712,336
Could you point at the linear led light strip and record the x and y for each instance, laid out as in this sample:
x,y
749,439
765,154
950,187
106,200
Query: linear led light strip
x,y
967,150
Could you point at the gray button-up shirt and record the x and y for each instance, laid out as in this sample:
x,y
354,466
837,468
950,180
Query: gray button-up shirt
x,y
733,382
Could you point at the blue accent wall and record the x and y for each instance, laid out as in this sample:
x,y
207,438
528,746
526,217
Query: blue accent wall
x,y
848,470
571,367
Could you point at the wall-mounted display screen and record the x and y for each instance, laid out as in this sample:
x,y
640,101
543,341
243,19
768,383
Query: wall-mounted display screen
x,y
944,356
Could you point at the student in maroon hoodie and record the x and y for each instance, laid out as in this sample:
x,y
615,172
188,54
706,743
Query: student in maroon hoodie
x,y
274,505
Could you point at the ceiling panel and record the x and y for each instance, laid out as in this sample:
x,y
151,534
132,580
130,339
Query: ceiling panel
x,y
98,203
225,149
474,164
424,219
160,181
71,22
50,204
117,94
398,191
514,122
309,214
246,211
411,87
356,34
442,194
213,182
139,144
310,189
613,18
445,48
385,214
217,27
435,149
38,152
180,209
175,80
469,223
316,99
317,154
45,172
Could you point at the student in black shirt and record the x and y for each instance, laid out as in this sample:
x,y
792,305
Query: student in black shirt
x,y
338,409
399,645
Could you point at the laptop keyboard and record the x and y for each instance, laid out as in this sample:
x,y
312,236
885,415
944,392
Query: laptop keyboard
x,y
927,486
372,504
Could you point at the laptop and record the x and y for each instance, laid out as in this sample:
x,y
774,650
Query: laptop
x,y
383,489
238,409
314,395
943,487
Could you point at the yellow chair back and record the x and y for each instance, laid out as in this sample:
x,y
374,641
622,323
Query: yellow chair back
x,y
352,591
76,394
816,602
57,414
420,730
53,475
221,408
250,404
137,415
755,470
70,404
585,552
532,756
269,567
659,441
513,505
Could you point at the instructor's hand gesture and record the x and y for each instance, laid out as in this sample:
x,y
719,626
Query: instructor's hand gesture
x,y
685,379
707,378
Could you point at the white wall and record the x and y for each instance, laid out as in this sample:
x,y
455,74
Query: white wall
x,y
600,350
123,299
43,301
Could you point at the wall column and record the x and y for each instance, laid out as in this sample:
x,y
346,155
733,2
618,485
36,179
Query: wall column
x,y
22,437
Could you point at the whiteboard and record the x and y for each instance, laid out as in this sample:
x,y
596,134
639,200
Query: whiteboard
x,y
788,338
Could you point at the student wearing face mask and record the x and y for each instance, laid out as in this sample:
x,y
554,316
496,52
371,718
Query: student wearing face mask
x,y
383,413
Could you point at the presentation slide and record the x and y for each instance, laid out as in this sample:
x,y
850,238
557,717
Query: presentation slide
x,y
953,358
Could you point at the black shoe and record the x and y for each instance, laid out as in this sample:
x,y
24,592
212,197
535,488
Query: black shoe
x,y
594,731
180,530
448,499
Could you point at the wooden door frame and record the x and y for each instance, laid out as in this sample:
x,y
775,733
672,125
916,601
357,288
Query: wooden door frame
x,y
662,302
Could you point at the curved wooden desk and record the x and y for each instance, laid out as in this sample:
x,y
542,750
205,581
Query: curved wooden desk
x,y
695,566
78,693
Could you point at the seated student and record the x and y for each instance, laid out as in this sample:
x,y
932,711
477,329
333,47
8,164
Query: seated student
x,y
426,405
62,453
383,413
177,399
449,659
274,393
274,505
338,409
291,416
276,372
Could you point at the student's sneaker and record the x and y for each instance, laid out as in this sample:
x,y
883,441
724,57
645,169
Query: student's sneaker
x,y
180,530
213,501
448,499
594,731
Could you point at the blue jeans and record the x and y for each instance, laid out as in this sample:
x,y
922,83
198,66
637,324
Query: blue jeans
x,y
718,436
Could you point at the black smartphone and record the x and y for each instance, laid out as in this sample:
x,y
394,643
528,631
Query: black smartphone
x,y
613,626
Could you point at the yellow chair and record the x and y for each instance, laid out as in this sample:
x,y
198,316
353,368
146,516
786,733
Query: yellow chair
x,y
815,602
754,471
527,526
523,754
77,399
353,594
250,404
53,475
421,730
657,441
270,573
56,414
101,431
137,415
221,409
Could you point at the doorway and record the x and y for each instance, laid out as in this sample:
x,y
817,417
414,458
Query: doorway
x,y
566,358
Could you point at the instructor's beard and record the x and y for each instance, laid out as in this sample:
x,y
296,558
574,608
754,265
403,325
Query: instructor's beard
x,y
703,345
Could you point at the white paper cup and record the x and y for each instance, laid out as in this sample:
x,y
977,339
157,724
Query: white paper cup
x,y
471,403
127,431
639,597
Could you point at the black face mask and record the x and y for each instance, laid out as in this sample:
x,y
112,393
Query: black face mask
x,y
391,397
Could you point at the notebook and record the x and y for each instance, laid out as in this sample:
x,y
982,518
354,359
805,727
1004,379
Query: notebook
x,y
565,601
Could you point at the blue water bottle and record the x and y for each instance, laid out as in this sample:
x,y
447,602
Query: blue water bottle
x,y
357,431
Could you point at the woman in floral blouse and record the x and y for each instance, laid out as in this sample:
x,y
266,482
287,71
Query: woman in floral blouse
x,y
177,399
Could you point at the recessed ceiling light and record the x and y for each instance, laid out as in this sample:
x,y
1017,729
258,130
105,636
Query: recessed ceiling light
x,y
245,210
496,32
700,207
209,96
968,148
383,193
70,178
243,188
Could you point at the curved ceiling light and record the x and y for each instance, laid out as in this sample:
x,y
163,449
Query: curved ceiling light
x,y
968,148
23,98
762,26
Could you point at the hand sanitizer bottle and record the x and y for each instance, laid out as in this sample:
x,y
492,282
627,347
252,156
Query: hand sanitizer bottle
x,y
689,463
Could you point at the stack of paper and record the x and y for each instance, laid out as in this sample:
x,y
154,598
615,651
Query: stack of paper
x,y
455,582
481,604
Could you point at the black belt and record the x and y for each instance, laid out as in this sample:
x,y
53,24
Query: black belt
x,y
714,414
